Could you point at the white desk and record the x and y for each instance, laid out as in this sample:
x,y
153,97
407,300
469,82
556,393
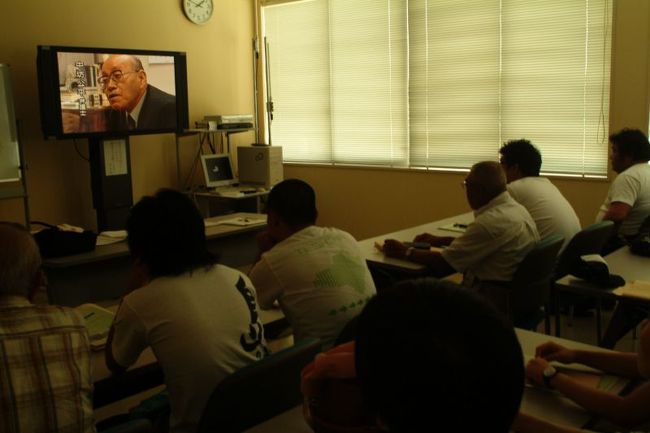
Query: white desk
x,y
547,405
101,274
621,262
377,258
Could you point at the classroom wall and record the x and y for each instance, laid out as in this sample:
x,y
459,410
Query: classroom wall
x,y
365,201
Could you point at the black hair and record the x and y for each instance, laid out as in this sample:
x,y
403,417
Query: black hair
x,y
524,154
294,201
430,352
632,143
166,232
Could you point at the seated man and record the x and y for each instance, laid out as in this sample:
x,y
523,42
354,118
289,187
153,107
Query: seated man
x,y
627,205
317,274
491,247
630,410
45,374
432,356
551,212
200,318
628,200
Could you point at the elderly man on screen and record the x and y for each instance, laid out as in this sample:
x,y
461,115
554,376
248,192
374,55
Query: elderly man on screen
x,y
493,245
135,104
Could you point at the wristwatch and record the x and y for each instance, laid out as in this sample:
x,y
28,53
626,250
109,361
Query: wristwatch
x,y
548,374
409,252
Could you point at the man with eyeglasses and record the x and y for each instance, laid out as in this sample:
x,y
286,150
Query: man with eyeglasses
x,y
135,104
489,252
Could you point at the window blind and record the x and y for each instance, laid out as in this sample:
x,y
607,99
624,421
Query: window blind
x,y
441,83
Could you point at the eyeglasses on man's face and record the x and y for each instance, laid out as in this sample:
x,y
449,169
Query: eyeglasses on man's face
x,y
116,77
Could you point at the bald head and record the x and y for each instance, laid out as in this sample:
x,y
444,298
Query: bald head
x,y
485,181
20,260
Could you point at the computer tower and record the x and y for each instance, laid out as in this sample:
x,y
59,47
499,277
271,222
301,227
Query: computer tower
x,y
260,165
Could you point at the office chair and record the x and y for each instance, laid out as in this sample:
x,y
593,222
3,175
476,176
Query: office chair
x,y
529,290
589,240
259,391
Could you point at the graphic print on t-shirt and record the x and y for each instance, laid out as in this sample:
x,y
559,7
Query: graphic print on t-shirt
x,y
344,271
253,340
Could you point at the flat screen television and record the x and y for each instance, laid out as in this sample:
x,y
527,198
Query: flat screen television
x,y
100,92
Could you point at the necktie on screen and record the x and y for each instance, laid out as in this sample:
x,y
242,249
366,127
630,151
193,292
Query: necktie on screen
x,y
131,122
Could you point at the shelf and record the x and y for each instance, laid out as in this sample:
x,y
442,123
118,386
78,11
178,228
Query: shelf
x,y
12,192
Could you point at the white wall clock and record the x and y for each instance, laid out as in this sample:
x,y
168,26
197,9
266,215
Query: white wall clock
x,y
198,11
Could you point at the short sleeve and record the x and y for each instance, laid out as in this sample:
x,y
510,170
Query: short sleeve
x,y
129,336
470,248
624,189
266,284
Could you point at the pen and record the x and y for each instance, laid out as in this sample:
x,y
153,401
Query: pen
x,y
459,225
89,315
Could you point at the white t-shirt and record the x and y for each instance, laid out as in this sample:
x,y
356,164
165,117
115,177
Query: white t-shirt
x,y
631,187
320,279
551,212
495,243
202,326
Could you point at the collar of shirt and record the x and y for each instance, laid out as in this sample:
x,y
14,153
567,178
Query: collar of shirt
x,y
502,198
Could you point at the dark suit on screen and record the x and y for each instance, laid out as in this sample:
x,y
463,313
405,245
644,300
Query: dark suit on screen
x,y
158,111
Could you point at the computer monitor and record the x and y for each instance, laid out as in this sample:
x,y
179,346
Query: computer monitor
x,y
217,170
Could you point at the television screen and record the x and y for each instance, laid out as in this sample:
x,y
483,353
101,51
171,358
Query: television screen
x,y
86,92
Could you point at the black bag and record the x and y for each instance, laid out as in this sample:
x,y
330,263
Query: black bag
x,y
597,273
54,242
640,245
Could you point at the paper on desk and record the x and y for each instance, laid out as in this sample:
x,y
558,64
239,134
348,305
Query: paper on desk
x,y
379,245
110,237
634,289
455,227
98,320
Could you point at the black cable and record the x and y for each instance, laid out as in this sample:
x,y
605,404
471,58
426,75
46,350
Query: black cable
x,y
74,142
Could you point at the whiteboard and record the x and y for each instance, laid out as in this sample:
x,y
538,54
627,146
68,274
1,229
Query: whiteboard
x,y
9,156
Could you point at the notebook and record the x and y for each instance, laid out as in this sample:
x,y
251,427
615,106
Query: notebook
x,y
98,320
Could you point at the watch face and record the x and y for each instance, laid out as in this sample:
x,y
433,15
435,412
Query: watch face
x,y
549,371
198,11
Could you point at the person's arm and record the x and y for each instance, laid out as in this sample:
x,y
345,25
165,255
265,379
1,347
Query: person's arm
x,y
111,363
626,411
431,259
525,423
266,284
434,241
126,340
617,363
617,212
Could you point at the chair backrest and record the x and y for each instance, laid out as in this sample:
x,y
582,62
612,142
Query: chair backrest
x,y
349,331
530,286
589,240
259,391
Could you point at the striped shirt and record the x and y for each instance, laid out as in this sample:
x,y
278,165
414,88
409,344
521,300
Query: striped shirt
x,y
45,372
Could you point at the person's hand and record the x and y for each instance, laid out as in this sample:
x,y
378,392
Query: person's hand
x,y
264,241
393,248
426,237
554,352
535,370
